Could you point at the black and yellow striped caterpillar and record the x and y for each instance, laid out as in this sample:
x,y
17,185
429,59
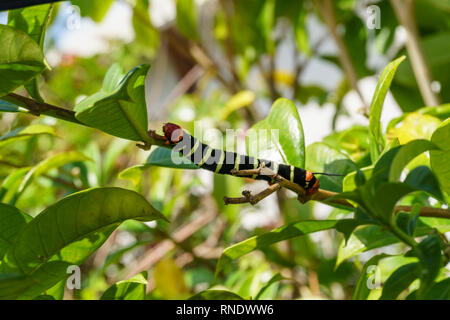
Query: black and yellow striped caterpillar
x,y
223,162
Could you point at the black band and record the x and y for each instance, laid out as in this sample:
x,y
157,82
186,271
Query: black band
x,y
223,162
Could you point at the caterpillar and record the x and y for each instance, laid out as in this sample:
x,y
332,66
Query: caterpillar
x,y
223,162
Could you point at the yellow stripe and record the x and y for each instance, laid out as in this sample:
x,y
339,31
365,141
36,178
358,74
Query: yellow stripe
x,y
275,167
193,148
222,159
292,174
236,162
207,155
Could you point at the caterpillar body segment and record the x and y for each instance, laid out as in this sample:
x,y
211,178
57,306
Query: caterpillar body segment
x,y
223,162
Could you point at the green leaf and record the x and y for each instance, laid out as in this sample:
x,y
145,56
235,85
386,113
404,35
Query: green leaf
x,y
429,253
277,277
9,187
279,137
19,286
440,159
440,291
58,160
26,132
423,179
376,106
286,232
216,295
22,61
131,289
187,18
400,280
121,113
77,221
405,154
349,183
322,158
362,289
33,21
12,220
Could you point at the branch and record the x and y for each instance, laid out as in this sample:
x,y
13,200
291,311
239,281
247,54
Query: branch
x,y
404,10
327,197
37,108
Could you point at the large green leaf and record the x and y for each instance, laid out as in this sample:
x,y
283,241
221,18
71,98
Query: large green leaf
x,y
122,112
33,21
76,221
12,220
216,295
26,132
279,137
19,286
440,160
400,280
322,158
131,289
21,62
286,232
376,106
405,154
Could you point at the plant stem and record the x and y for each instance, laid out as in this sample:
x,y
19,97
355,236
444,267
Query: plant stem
x,y
404,10
37,108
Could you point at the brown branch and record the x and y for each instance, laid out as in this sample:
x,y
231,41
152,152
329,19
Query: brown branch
x,y
327,197
38,108
404,10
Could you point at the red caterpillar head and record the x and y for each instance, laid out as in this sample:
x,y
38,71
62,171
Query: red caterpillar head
x,y
312,183
172,132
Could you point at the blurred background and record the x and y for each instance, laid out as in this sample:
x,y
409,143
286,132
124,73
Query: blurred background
x,y
221,64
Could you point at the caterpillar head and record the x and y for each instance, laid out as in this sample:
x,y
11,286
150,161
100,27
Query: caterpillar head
x,y
312,183
172,132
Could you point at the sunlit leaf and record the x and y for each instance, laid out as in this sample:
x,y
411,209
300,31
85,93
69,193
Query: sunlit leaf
x,y
131,289
72,229
362,289
122,112
33,21
376,106
279,137
26,132
21,62
440,159
400,280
